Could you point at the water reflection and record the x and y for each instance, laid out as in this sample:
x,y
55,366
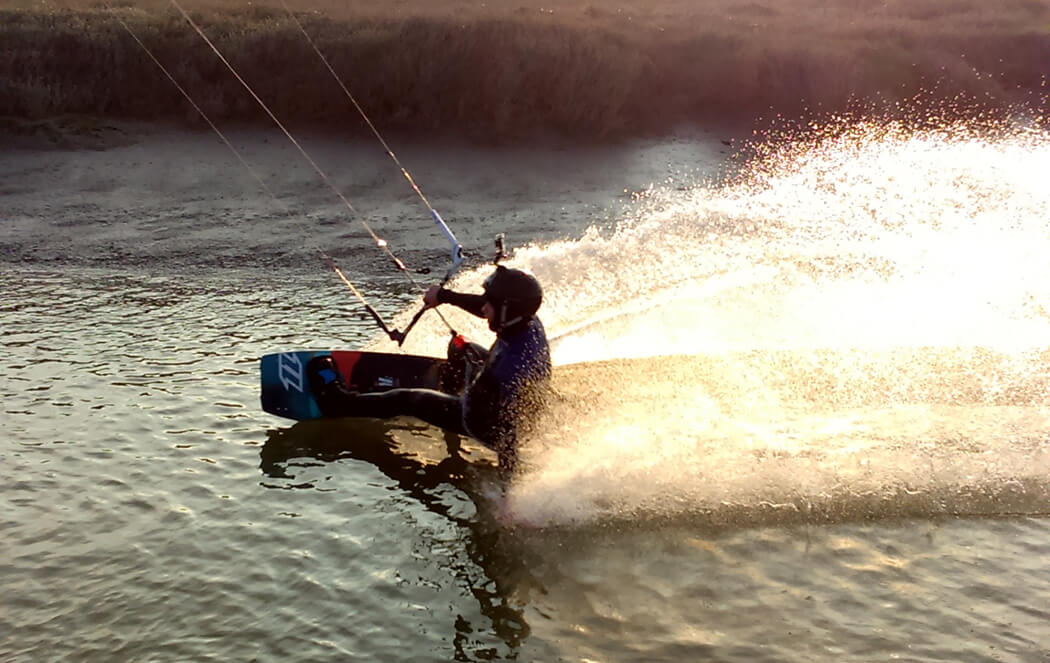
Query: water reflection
x,y
500,571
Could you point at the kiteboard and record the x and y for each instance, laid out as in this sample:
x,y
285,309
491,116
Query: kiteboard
x,y
286,389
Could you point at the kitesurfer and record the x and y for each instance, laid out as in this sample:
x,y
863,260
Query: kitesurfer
x,y
502,387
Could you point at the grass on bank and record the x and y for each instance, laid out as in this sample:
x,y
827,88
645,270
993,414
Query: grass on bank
x,y
504,69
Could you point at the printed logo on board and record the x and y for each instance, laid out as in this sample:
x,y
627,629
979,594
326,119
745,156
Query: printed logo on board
x,y
290,371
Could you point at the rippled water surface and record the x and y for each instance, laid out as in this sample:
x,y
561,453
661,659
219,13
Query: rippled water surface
x,y
862,510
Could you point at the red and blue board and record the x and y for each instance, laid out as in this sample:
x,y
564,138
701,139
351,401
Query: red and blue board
x,y
286,390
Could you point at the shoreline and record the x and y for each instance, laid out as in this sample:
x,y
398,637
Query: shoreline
x,y
71,132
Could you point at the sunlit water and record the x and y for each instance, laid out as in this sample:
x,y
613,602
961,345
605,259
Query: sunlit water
x,y
851,460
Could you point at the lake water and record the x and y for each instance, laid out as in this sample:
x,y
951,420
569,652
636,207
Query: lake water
x,y
153,512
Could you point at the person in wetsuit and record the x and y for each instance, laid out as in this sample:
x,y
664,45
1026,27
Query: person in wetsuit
x,y
502,387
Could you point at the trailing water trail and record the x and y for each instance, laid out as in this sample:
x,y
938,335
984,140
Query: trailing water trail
x,y
864,313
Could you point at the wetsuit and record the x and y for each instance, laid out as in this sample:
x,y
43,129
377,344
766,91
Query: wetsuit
x,y
513,378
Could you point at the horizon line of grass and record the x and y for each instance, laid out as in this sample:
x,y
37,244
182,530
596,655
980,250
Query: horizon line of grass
x,y
491,78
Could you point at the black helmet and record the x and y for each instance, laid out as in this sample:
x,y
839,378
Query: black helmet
x,y
515,294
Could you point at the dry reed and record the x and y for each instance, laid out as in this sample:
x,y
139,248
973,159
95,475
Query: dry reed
x,y
503,70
